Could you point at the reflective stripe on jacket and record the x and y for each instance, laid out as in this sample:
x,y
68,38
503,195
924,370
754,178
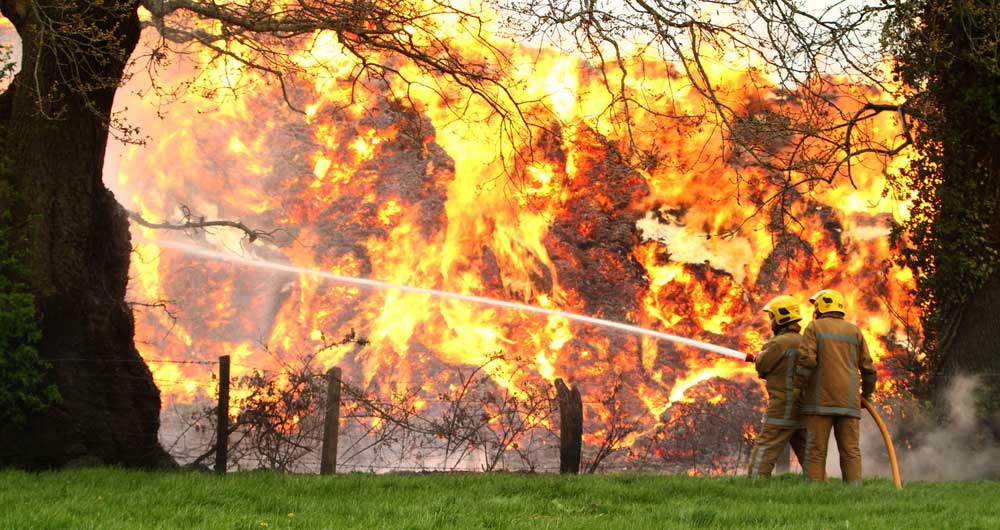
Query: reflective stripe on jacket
x,y
832,356
776,365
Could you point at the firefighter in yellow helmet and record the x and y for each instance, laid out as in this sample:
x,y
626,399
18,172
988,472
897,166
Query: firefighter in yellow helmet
x,y
782,423
834,370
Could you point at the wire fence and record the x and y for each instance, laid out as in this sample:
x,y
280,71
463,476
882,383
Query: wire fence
x,y
410,431
277,422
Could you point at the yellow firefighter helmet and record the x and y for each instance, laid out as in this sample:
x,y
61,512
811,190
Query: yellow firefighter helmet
x,y
783,310
828,300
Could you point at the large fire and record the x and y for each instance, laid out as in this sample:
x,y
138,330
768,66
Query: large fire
x,y
364,184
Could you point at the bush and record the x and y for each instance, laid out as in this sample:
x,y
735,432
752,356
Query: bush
x,y
22,372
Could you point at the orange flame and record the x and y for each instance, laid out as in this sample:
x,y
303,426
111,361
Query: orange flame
x,y
367,186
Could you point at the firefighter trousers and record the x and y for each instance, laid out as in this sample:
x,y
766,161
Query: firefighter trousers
x,y
847,432
768,446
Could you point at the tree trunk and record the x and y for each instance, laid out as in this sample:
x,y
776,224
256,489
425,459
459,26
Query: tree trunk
x,y
974,350
56,115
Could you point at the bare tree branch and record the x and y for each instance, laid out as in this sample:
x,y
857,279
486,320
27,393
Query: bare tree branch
x,y
804,55
191,222
280,42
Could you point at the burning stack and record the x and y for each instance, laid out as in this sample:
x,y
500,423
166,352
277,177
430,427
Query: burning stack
x,y
367,185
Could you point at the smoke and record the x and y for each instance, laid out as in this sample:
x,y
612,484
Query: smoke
x,y
730,254
955,446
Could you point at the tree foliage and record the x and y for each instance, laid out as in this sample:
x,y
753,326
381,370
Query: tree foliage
x,y
23,388
947,56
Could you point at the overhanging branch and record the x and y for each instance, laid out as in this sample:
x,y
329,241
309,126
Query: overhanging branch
x,y
189,221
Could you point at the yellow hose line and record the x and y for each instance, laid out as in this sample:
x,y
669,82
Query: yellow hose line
x,y
888,442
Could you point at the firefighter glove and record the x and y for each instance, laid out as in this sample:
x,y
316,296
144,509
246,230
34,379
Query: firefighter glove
x,y
867,388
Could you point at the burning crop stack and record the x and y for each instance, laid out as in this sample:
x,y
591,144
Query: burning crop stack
x,y
365,184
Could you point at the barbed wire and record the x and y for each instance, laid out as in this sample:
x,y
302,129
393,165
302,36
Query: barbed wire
x,y
538,468
268,370
432,469
134,361
361,396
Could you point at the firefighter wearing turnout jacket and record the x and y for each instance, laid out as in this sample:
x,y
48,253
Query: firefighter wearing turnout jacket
x,y
834,370
782,423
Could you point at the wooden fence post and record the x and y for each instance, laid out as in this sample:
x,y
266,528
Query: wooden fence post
x,y
222,417
570,427
331,424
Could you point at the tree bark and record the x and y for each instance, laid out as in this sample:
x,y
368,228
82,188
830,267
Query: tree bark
x,y
974,350
79,240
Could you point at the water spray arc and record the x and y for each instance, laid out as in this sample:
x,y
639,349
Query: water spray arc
x,y
365,282
630,328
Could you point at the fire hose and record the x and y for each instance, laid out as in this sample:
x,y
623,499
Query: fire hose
x,y
882,429
888,442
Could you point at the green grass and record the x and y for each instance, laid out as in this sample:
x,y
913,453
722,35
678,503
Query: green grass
x,y
112,499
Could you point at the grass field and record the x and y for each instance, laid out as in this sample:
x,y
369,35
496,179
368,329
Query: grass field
x,y
114,499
